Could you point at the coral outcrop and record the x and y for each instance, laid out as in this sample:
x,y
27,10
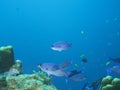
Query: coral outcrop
x,y
18,66
12,78
3,83
110,83
6,58
36,81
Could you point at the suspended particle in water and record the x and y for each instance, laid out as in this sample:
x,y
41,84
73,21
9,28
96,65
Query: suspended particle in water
x,y
82,32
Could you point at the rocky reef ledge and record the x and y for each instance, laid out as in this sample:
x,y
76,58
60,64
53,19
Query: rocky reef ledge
x,y
12,78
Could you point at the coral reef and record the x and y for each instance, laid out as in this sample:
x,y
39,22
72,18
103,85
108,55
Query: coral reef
x,y
110,83
15,70
36,81
6,58
3,83
15,80
12,78
18,66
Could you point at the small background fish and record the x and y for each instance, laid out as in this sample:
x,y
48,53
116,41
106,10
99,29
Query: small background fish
x,y
61,45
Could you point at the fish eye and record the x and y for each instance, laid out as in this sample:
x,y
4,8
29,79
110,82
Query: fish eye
x,y
52,45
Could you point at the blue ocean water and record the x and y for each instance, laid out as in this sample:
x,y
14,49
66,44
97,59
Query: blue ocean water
x,y
92,26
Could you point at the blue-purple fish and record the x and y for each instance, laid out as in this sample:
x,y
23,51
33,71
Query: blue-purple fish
x,y
114,69
93,86
60,46
54,69
116,60
76,75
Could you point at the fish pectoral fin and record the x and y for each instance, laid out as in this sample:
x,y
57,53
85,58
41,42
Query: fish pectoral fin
x,y
60,50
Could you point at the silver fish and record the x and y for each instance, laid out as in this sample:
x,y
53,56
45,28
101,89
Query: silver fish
x,y
54,69
60,46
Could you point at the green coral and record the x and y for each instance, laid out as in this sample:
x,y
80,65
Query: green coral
x,y
3,83
110,83
36,81
44,78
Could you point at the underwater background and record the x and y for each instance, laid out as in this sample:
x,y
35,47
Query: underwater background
x,y
92,26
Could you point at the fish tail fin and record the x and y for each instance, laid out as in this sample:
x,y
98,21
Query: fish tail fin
x,y
67,74
66,77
